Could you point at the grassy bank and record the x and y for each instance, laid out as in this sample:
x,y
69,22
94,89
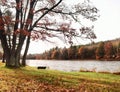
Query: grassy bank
x,y
30,79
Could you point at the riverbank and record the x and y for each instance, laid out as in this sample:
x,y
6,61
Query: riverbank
x,y
30,79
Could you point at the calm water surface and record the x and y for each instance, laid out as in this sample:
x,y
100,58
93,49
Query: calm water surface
x,y
98,66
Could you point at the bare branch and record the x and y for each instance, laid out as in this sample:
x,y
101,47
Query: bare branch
x,y
45,14
41,10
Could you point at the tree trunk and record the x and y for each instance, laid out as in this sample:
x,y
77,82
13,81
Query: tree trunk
x,y
12,60
11,52
3,59
26,50
12,57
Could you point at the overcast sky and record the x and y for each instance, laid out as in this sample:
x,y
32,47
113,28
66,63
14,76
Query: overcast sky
x,y
107,27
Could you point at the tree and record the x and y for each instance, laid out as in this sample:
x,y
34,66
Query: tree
x,y
72,52
82,52
36,19
55,54
118,52
64,54
100,52
109,50
91,53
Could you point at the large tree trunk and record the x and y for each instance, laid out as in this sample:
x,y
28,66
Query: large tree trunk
x,y
12,61
12,56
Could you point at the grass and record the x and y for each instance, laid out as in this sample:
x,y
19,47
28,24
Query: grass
x,y
29,79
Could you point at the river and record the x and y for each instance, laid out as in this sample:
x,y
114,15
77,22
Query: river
x,y
70,65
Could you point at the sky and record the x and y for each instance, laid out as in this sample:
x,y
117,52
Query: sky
x,y
107,27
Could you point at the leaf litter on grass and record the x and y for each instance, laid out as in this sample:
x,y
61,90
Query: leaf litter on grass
x,y
32,80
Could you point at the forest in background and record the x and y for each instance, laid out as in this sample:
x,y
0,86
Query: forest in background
x,y
107,50
104,50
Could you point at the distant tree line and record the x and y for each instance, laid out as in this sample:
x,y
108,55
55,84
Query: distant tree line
x,y
100,51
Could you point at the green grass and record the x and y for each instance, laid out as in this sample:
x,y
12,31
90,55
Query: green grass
x,y
29,79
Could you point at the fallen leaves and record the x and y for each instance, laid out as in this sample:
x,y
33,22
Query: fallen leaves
x,y
32,80
16,81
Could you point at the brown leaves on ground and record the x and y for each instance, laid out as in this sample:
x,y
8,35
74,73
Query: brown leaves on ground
x,y
33,80
17,81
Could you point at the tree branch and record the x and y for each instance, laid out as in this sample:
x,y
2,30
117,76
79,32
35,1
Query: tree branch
x,y
41,10
45,14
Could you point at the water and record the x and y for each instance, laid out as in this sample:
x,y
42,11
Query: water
x,y
61,65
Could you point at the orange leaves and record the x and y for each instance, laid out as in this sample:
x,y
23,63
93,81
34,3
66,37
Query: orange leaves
x,y
8,20
23,32
109,50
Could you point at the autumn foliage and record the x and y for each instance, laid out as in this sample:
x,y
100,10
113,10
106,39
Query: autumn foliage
x,y
100,51
24,20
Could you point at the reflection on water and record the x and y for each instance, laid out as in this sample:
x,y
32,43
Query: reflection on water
x,y
97,66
